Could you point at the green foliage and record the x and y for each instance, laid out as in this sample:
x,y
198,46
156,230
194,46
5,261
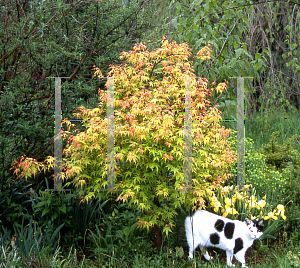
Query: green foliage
x,y
267,182
274,169
280,91
30,238
294,259
277,137
294,183
14,196
51,209
260,127
283,166
245,45
278,156
293,220
11,258
144,256
223,25
84,216
55,38
118,234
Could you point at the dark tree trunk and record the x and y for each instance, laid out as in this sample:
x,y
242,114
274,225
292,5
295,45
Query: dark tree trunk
x,y
157,233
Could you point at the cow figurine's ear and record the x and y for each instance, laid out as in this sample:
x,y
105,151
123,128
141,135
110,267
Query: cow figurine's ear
x,y
261,223
247,221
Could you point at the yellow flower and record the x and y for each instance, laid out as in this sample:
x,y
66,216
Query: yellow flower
x,y
239,197
248,186
217,204
264,198
231,211
216,209
252,204
261,203
227,206
280,207
281,212
213,199
209,192
225,190
228,201
271,215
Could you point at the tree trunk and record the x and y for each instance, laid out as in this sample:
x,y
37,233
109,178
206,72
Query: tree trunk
x,y
157,235
156,232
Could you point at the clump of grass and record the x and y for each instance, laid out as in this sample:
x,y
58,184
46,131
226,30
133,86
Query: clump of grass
x,y
260,127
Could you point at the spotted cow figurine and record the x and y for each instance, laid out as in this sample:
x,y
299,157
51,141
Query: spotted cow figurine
x,y
206,229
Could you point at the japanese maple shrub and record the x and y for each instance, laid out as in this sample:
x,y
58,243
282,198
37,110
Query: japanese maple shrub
x,y
149,102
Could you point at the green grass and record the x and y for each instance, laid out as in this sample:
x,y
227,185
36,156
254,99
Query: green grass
x,y
260,127
281,253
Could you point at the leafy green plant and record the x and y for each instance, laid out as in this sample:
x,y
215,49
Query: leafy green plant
x,y
118,234
84,216
283,168
265,179
51,209
226,24
30,238
293,222
14,195
293,183
279,155
222,24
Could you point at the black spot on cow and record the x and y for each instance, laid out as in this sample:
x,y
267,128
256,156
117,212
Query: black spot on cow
x,y
219,225
229,230
214,239
239,244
